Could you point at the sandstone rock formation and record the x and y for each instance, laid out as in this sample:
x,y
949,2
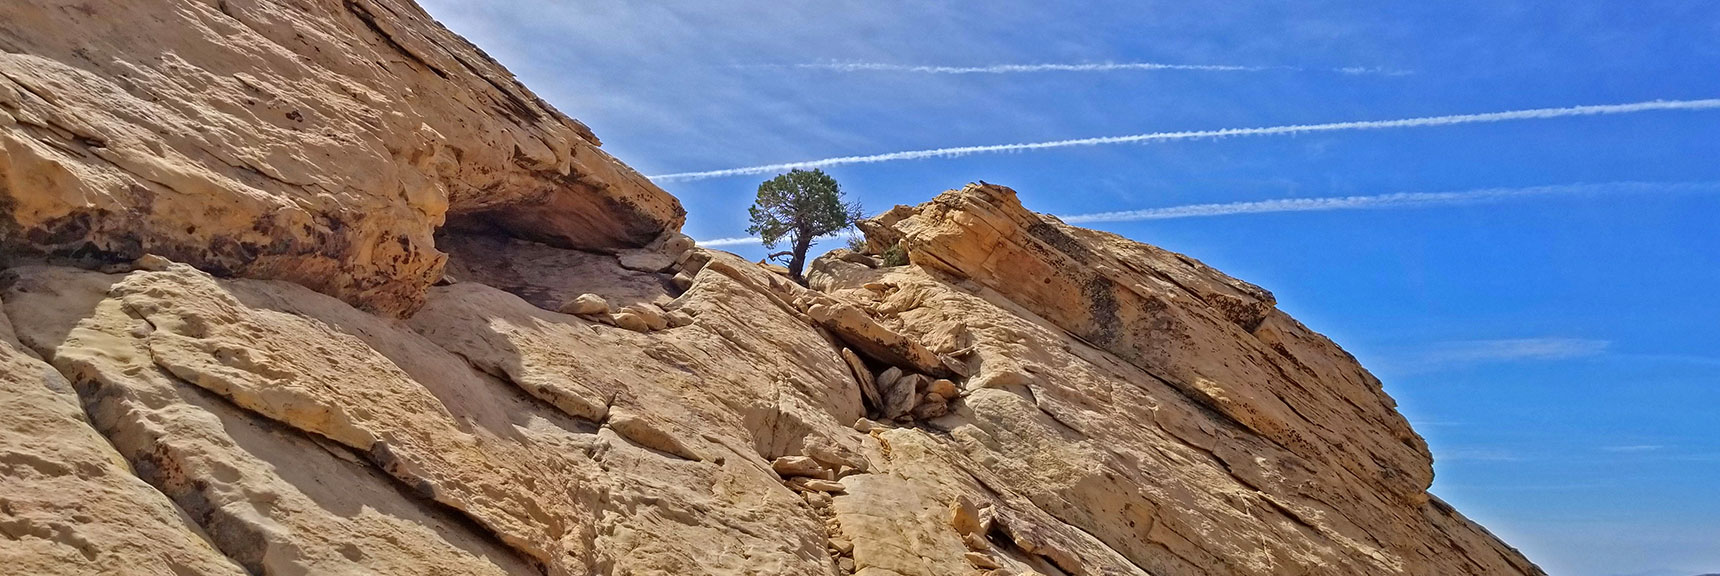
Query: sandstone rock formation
x,y
279,385
317,141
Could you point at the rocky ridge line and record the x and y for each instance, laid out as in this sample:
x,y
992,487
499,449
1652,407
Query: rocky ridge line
x,y
268,365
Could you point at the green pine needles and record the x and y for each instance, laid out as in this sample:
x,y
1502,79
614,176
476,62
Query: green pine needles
x,y
798,207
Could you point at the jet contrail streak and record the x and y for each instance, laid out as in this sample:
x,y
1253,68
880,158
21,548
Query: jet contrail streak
x,y
718,242
1380,201
1087,67
1514,115
1396,200
1020,68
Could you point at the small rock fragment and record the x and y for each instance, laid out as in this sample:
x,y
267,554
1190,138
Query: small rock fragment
x,y
678,244
651,314
942,388
842,547
586,305
863,425
816,485
982,561
861,259
901,396
683,281
788,466
964,516
930,410
888,377
151,262
629,320
678,319
976,542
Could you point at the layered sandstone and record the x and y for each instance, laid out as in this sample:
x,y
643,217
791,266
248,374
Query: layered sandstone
x,y
317,141
277,388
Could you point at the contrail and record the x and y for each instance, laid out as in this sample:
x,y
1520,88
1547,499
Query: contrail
x,y
1019,68
716,242
1381,201
1532,114
1090,67
1397,200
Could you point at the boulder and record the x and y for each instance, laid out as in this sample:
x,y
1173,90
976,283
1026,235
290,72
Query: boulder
x,y
791,466
677,319
902,395
629,319
942,388
860,331
586,305
650,314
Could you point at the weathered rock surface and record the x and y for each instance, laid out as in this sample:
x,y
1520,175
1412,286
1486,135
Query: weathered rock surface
x,y
68,503
317,141
1048,400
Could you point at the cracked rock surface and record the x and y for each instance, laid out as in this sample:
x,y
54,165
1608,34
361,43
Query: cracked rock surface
x,y
284,382
316,141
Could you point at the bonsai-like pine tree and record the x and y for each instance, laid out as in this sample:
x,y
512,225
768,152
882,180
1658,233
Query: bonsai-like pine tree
x,y
798,207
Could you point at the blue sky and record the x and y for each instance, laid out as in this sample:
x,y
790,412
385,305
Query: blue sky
x,y
1556,337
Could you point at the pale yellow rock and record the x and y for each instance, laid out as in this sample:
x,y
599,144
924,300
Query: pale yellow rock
x,y
71,504
815,484
789,466
320,142
964,516
630,320
874,340
982,561
1057,419
682,281
586,305
677,319
650,314
1122,410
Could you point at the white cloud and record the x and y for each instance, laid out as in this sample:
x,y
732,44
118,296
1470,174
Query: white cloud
x,y
1426,121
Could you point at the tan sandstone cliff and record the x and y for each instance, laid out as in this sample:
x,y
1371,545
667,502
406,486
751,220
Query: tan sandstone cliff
x,y
314,287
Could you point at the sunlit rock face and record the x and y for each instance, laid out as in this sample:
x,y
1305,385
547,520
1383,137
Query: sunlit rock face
x,y
315,288
316,141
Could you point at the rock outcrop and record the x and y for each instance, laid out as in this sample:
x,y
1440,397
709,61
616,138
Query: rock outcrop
x,y
317,141
284,381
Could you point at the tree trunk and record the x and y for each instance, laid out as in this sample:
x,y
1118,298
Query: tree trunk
x,y
802,243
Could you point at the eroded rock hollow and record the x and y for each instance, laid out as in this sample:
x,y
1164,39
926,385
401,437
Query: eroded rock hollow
x,y
315,287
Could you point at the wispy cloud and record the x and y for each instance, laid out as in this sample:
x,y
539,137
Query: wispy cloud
x,y
1632,448
1478,454
1382,201
1477,351
1083,67
1426,121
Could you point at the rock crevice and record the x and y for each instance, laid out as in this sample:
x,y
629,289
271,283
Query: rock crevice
x,y
349,299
